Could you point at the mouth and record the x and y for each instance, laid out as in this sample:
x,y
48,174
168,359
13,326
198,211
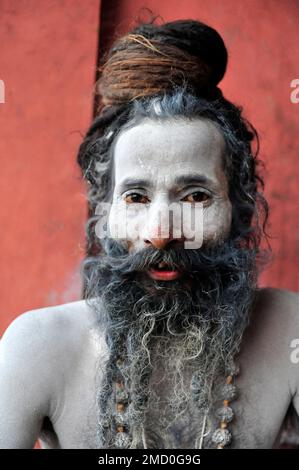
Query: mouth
x,y
164,272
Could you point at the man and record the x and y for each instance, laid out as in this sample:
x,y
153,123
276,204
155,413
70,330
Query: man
x,y
151,359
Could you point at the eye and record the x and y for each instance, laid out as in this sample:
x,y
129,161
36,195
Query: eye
x,y
135,198
198,196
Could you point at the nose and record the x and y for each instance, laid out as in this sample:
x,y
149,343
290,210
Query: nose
x,y
161,243
160,228
158,243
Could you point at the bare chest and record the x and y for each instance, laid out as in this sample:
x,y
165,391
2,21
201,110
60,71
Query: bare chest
x,y
259,411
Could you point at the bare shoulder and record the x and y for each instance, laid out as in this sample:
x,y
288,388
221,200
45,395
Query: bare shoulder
x,y
272,294
273,324
279,304
47,320
51,335
39,353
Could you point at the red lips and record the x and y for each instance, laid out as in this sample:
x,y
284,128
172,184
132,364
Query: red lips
x,y
164,274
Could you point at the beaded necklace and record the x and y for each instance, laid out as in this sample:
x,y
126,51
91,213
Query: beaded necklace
x,y
221,437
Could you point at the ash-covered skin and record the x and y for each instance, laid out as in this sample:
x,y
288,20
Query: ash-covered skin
x,y
199,317
160,154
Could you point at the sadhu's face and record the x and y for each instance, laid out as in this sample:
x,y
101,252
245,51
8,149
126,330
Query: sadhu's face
x,y
169,176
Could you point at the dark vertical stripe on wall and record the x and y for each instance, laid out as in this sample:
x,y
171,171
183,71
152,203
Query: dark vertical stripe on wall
x,y
107,32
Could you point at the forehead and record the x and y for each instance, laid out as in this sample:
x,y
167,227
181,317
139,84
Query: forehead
x,y
156,150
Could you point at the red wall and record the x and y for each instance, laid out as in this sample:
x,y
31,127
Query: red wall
x,y
47,61
262,40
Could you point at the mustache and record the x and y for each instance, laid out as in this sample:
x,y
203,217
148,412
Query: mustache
x,y
224,257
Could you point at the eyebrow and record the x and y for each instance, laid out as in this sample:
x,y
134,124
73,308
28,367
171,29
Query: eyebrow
x,y
182,180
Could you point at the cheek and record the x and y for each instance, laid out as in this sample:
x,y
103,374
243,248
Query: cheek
x,y
217,221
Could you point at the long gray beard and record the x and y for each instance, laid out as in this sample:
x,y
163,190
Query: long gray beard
x,y
195,333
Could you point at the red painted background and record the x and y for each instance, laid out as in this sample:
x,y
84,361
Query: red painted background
x,y
47,61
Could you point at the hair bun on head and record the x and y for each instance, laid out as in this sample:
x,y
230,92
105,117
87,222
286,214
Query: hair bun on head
x,y
196,38
153,58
